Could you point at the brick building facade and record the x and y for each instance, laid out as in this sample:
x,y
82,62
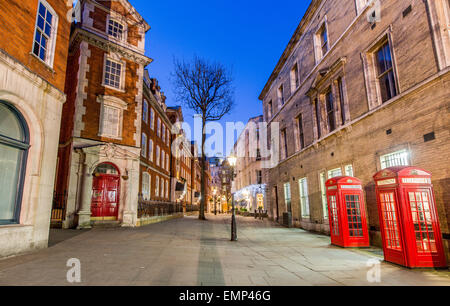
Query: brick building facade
x,y
100,143
33,58
155,174
361,86
250,183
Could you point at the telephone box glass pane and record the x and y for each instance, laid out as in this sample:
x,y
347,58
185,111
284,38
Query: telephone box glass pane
x,y
422,221
334,216
389,211
354,215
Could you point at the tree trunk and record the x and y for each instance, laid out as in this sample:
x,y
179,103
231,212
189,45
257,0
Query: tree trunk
x,y
203,180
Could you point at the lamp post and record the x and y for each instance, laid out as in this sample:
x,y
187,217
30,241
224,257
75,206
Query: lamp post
x,y
232,162
215,197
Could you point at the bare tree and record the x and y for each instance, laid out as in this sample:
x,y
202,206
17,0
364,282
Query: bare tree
x,y
206,88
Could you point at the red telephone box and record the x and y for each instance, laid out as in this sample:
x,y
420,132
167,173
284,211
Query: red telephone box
x,y
347,212
408,218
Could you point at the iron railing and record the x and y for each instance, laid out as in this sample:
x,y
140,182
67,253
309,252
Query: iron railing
x,y
155,209
59,207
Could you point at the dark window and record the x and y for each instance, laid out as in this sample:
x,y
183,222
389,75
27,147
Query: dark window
x,y
301,132
259,177
385,73
284,143
324,40
340,88
281,95
317,105
14,144
330,110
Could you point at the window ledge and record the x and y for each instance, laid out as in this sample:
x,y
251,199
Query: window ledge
x,y
113,88
47,66
12,226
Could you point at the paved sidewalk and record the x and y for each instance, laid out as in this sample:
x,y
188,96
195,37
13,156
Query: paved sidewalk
x,y
192,252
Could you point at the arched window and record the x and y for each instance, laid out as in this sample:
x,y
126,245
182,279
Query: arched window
x,y
14,144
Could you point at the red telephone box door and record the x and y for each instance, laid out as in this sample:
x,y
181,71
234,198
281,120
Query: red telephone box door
x,y
354,215
390,218
105,197
420,206
334,219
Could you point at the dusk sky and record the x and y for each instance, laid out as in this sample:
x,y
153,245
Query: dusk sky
x,y
248,36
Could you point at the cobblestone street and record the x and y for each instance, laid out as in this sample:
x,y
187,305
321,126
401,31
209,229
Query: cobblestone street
x,y
191,252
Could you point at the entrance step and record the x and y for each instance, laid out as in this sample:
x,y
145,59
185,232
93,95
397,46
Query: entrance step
x,y
106,224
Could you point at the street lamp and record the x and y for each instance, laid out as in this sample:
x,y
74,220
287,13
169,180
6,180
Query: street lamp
x,y
232,160
215,197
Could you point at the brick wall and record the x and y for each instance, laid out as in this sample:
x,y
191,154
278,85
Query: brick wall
x,y
17,27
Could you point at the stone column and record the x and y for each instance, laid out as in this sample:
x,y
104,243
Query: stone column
x,y
84,215
131,189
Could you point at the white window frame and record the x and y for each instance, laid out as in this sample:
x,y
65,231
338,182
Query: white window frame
x,y
122,22
144,141
295,78
117,60
111,102
361,5
145,111
287,195
150,150
349,170
318,48
157,187
405,159
158,157
51,44
304,198
323,190
331,173
146,185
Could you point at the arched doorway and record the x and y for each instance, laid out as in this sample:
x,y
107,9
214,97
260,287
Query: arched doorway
x,y
105,193
14,145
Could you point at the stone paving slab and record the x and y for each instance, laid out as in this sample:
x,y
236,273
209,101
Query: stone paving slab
x,y
189,252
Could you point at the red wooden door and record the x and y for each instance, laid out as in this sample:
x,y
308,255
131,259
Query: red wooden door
x,y
105,197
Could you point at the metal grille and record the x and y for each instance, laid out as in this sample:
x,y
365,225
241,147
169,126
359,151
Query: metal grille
x,y
389,211
59,207
423,223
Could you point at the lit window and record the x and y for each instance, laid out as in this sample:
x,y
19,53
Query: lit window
x,y
146,186
304,197
399,158
334,173
45,33
287,197
115,29
385,73
349,170
113,74
323,190
110,123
